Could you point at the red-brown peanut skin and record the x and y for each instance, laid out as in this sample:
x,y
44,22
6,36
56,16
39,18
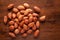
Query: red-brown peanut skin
x,y
5,19
15,10
11,22
30,18
22,31
42,18
36,33
20,17
35,14
29,31
21,7
34,27
12,34
37,9
26,21
26,5
19,28
15,25
10,15
21,23
35,19
25,27
11,28
24,35
37,24
10,6
16,31
13,15
30,25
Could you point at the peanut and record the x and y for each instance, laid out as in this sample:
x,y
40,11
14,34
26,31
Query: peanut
x,y
30,18
21,7
42,18
22,30
29,31
36,33
20,17
26,21
11,27
12,34
16,20
10,15
24,35
31,24
25,27
35,19
13,15
11,22
18,14
15,25
15,10
16,31
34,27
35,15
10,6
5,19
21,23
37,9
26,5
37,24
22,11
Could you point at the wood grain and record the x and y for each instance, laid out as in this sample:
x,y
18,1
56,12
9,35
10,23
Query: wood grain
x,y
50,30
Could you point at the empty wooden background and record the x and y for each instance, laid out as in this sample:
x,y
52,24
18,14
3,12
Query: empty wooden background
x,y
50,30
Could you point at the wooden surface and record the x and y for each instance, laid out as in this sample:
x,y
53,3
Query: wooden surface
x,y
50,30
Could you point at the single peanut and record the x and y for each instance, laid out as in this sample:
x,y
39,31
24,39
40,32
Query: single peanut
x,y
21,7
19,28
25,17
42,18
16,31
26,5
13,15
21,23
35,15
5,19
35,19
16,20
22,11
12,34
20,17
27,11
24,35
37,24
18,14
22,30
10,6
29,14
11,22
34,27
11,28
15,25
36,33
37,9
30,18
10,15
29,31
31,24
25,27
26,21
15,10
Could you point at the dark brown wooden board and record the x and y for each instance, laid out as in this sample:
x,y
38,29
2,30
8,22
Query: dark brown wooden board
x,y
50,30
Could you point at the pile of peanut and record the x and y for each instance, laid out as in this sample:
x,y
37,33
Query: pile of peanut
x,y
23,20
